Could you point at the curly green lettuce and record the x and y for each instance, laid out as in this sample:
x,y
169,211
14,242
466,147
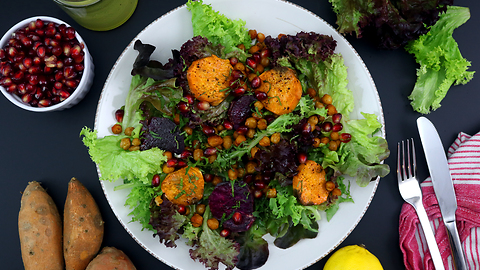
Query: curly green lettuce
x,y
440,60
115,163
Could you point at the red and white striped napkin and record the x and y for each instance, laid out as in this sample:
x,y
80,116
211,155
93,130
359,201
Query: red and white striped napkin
x,y
464,162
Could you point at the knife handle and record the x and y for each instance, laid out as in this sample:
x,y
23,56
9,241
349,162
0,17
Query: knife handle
x,y
456,245
429,236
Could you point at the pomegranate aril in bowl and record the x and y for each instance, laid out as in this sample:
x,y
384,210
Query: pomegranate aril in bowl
x,y
44,65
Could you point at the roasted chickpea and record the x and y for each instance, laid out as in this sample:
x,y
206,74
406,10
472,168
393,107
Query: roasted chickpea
x,y
265,141
128,131
311,92
334,136
253,151
213,223
331,110
117,129
168,155
239,66
333,146
188,130
197,154
241,172
316,142
212,158
336,192
262,124
200,208
241,47
136,142
254,49
319,105
251,122
251,133
275,138
239,140
260,37
216,180
125,143
167,169
252,33
176,119
326,99
232,174
250,167
258,105
158,200
215,140
329,186
227,142
324,140
196,220
313,120
271,193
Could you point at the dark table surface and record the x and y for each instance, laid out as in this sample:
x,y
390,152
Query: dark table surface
x,y
46,147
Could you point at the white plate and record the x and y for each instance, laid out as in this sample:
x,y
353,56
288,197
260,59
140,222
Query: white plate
x,y
270,17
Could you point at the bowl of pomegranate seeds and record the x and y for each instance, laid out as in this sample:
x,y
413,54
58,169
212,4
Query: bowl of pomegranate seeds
x,y
44,65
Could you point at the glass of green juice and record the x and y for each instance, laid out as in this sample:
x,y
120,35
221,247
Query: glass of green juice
x,y
99,15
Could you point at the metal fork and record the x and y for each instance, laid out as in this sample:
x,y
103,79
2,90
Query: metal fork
x,y
411,192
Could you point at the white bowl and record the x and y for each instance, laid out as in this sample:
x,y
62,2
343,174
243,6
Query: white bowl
x,y
82,88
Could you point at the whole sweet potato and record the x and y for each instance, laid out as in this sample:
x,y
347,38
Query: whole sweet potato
x,y
111,258
83,227
40,230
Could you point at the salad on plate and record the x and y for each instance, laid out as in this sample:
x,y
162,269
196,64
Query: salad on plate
x,y
237,136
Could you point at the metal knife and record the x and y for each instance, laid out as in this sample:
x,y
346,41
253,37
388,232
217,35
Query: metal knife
x,y
442,185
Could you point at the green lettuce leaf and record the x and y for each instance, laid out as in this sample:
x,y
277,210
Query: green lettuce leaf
x,y
115,163
217,28
441,63
361,157
139,200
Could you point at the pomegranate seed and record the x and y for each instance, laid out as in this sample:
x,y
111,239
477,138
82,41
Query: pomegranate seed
x,y
248,178
227,125
78,67
50,31
59,64
27,62
237,74
210,151
188,97
6,81
183,107
12,88
30,88
185,154
68,61
327,126
69,72
40,32
259,185
57,36
257,194
67,49
3,55
233,61
12,51
42,80
27,98
234,83
32,26
237,218
33,79
27,42
34,70
203,105
181,164
208,130
261,95
41,51
78,58
39,24
37,61
18,76
225,232
302,158
239,91
172,162
119,115
208,177
69,33
44,103
251,63
345,137
156,180
59,75
64,94
265,53
76,50
57,51
38,94
7,69
50,61
336,118
257,57
61,28
242,130
58,85
306,128
256,82
337,127
71,83
182,210
21,88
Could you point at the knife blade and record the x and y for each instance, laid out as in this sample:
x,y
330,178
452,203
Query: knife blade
x,y
442,185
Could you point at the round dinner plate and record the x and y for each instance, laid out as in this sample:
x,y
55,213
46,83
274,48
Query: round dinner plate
x,y
270,17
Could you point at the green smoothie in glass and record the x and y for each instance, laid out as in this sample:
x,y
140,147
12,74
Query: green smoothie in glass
x,y
99,15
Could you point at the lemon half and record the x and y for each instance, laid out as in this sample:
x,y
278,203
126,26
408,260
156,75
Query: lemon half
x,y
353,257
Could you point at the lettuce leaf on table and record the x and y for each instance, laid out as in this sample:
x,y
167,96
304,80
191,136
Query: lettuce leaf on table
x,y
441,63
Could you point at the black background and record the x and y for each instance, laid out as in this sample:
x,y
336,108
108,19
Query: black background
x,y
46,147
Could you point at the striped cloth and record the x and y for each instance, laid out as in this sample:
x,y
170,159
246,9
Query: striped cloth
x,y
464,162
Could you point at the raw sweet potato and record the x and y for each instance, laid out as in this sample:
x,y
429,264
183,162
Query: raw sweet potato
x,y
40,230
209,78
283,89
309,184
184,187
83,227
111,258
